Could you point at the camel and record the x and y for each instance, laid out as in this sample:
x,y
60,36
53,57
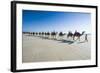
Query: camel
x,y
70,34
39,33
53,34
36,33
30,33
78,35
33,33
48,34
42,34
61,34
45,34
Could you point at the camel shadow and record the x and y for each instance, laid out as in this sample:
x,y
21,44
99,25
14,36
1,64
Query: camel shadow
x,y
67,41
81,42
45,38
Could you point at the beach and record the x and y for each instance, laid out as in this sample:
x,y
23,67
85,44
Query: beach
x,y
40,49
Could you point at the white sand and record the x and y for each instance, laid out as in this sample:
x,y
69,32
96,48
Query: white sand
x,y
36,49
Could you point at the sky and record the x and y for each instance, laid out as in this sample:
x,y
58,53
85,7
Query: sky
x,y
48,21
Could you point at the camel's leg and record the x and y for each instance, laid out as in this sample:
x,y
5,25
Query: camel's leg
x,y
73,37
51,36
54,37
67,36
60,38
79,38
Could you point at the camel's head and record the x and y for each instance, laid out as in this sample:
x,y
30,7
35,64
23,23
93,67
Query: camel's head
x,y
83,32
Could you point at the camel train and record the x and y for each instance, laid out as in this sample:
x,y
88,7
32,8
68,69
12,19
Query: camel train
x,y
76,34
54,35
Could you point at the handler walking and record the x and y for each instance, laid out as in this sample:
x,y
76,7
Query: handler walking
x,y
86,39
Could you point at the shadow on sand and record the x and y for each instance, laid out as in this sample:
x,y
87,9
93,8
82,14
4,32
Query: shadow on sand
x,y
61,41
81,42
67,41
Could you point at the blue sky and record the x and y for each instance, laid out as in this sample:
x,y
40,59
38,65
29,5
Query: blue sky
x,y
44,21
